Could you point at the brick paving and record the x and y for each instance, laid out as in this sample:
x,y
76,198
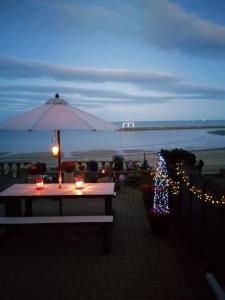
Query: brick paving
x,y
68,263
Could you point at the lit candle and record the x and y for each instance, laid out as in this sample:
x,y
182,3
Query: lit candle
x,y
79,183
55,150
39,183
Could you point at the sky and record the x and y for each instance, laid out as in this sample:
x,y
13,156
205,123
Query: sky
x,y
137,60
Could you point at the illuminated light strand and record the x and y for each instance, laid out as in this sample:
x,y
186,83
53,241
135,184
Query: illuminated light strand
x,y
161,188
206,197
175,187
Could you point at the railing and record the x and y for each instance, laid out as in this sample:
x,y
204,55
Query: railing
x,y
17,172
201,222
14,168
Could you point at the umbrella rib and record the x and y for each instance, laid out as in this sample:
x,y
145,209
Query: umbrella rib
x,y
41,117
91,127
82,118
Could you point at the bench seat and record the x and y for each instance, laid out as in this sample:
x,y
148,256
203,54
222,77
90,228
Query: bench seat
x,y
56,220
104,221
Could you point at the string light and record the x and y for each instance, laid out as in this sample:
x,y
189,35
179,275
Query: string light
x,y
197,191
163,182
161,185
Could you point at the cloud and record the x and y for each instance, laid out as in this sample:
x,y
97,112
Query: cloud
x,y
94,88
83,98
11,68
168,26
160,23
84,86
110,14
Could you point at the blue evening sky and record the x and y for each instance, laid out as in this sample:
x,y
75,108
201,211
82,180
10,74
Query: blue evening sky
x,y
121,60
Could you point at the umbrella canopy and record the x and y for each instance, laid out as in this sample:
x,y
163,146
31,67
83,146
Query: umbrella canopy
x,y
56,114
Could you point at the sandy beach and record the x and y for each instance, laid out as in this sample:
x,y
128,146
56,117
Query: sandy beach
x,y
214,159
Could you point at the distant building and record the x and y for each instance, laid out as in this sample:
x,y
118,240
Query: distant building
x,y
128,124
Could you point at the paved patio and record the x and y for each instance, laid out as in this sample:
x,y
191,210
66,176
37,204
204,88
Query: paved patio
x,y
62,263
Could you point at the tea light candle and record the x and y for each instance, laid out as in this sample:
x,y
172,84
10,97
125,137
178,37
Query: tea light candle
x,y
39,183
79,183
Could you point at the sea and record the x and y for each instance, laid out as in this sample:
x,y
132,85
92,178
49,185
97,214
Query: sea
x,y
119,141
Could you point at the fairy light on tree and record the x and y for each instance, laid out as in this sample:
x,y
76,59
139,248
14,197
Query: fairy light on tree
x,y
161,184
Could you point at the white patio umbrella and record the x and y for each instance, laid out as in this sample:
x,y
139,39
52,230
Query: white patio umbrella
x,y
56,114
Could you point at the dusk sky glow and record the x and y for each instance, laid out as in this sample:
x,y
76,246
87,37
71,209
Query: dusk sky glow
x,y
120,60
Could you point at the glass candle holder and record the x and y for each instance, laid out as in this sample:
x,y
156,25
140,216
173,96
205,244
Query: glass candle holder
x,y
79,183
39,183
55,150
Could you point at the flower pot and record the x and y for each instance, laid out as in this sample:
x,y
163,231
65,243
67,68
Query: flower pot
x,y
32,178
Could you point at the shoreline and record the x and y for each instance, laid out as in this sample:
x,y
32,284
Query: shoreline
x,y
172,127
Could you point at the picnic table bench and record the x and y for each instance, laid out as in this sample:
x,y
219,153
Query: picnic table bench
x,y
14,196
105,222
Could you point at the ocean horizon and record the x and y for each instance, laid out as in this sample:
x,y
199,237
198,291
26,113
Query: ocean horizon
x,y
150,140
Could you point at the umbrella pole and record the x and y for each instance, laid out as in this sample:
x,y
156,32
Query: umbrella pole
x,y
59,159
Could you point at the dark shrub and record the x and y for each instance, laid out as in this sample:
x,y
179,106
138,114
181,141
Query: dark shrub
x,y
172,157
92,166
145,165
118,162
179,155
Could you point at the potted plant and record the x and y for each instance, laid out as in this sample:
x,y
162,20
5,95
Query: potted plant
x,y
118,166
92,175
93,166
118,162
35,170
68,168
145,165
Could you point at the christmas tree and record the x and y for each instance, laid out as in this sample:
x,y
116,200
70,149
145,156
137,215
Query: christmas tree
x,y
161,194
